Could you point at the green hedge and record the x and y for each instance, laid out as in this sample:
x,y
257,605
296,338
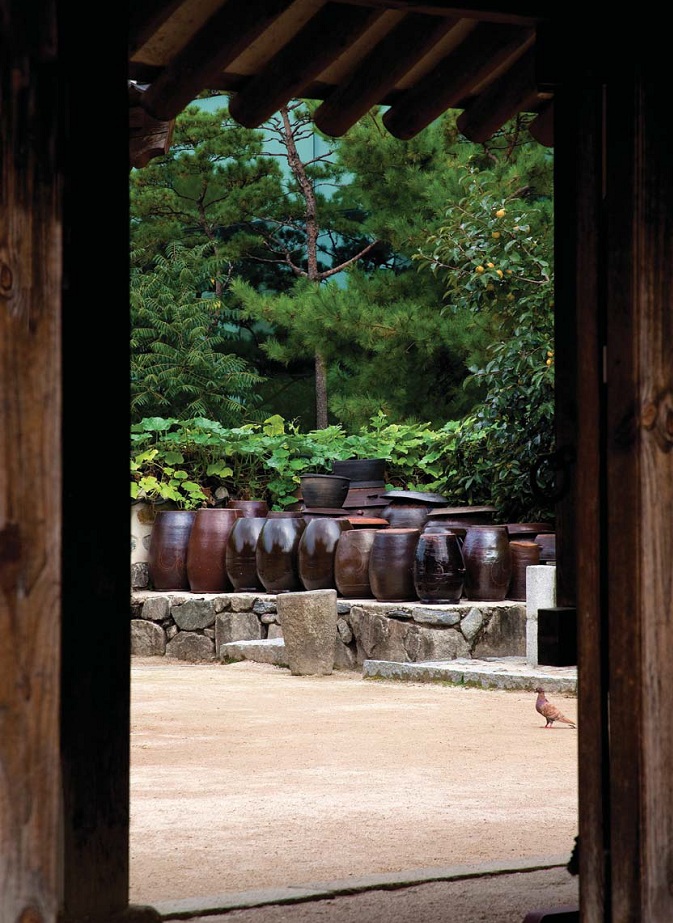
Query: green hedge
x,y
188,461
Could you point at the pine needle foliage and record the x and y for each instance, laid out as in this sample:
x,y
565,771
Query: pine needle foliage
x,y
179,363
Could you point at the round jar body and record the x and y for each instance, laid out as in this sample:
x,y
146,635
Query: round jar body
x,y
277,553
391,564
206,566
241,554
439,568
167,556
351,563
317,548
488,563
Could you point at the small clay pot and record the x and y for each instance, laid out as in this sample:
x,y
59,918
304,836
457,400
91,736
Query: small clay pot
x,y
362,471
403,515
250,507
319,490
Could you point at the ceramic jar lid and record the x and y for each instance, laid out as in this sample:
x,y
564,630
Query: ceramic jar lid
x,y
414,495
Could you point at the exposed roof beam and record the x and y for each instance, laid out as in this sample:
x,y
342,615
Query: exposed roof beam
x,y
516,91
145,17
323,39
542,127
485,49
523,13
228,33
148,137
376,76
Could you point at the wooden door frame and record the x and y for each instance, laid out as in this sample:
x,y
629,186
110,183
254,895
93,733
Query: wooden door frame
x,y
65,658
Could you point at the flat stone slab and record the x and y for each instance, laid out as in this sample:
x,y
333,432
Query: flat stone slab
x,y
493,673
267,650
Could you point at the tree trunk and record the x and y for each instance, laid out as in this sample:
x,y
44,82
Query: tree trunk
x,y
320,392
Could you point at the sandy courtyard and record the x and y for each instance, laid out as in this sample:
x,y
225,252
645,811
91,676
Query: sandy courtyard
x,y
246,777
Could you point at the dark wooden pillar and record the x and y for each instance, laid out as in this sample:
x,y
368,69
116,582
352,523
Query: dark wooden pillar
x,y
30,472
615,311
64,538
639,463
95,674
580,401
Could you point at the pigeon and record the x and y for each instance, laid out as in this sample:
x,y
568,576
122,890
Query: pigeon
x,y
549,711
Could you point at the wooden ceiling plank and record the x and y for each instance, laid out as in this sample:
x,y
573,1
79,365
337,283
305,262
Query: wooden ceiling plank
x,y
521,14
484,50
378,73
225,36
323,39
514,92
145,18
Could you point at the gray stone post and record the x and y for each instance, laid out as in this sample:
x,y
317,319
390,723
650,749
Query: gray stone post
x,y
540,594
309,623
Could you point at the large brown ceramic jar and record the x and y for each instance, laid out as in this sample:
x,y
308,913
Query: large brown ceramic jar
x,y
167,556
488,563
241,554
351,563
391,564
439,569
206,550
317,548
277,554
524,555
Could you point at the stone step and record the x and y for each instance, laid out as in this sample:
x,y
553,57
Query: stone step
x,y
492,673
267,650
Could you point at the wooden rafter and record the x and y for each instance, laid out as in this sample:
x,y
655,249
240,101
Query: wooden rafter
x,y
145,17
514,92
488,47
300,61
226,34
376,76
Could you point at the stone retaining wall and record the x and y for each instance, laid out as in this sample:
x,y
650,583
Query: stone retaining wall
x,y
194,627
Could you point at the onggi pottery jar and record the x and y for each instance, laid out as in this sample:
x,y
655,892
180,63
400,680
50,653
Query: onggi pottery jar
x,y
361,471
167,557
391,564
524,554
277,554
409,509
439,569
488,563
351,563
206,550
250,507
241,552
320,490
406,515
317,548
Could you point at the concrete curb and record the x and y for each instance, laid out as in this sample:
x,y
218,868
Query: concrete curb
x,y
217,904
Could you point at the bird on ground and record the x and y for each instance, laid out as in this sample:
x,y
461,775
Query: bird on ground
x,y
548,711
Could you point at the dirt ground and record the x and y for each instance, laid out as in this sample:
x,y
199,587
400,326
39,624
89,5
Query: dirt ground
x,y
245,777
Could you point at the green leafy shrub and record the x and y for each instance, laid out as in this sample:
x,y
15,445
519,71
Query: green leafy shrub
x,y
191,462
